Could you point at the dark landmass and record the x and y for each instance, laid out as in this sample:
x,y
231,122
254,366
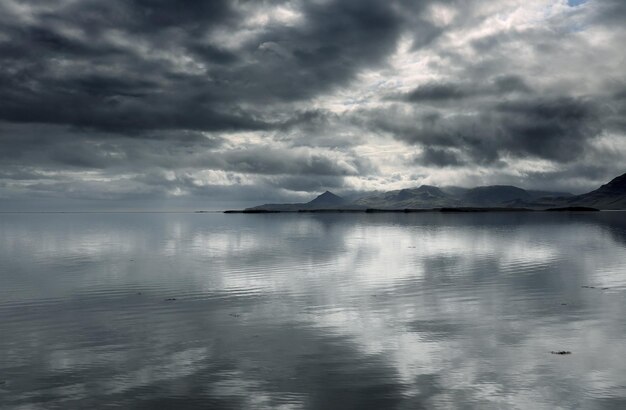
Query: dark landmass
x,y
254,211
389,210
573,209
376,210
494,198
405,210
487,209
425,196
327,200
332,210
489,195
608,196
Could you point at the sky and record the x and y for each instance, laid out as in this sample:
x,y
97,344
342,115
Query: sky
x,y
188,104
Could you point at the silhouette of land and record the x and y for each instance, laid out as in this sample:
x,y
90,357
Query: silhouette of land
x,y
494,198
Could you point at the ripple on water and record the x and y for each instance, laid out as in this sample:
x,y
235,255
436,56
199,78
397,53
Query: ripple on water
x,y
235,311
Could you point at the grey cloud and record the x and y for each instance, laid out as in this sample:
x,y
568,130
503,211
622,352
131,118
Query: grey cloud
x,y
319,128
125,89
106,85
455,91
433,129
260,160
335,41
124,156
438,157
57,147
558,129
511,83
611,12
616,108
430,92
307,183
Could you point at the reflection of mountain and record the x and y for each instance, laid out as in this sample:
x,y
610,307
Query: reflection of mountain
x,y
609,196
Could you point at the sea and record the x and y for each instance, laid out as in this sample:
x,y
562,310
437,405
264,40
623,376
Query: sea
x,y
313,310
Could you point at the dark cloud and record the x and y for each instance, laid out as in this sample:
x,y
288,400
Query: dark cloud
x,y
70,71
193,151
558,129
275,161
474,136
148,97
434,92
611,12
444,92
336,40
307,183
511,83
438,158
615,104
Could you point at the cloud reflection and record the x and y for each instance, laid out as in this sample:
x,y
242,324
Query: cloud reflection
x,y
313,311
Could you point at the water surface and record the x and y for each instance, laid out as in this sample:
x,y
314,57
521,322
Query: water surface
x,y
313,311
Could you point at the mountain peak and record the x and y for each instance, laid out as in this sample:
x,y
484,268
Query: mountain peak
x,y
326,199
327,195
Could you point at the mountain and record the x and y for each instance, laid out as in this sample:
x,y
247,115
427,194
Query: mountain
x,y
494,195
548,194
327,200
426,196
608,196
455,191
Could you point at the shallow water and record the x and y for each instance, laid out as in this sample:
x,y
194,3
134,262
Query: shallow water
x,y
318,311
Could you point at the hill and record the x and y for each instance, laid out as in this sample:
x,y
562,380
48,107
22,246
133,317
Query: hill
x,y
608,196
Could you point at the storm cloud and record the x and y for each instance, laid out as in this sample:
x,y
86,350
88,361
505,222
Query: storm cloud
x,y
249,101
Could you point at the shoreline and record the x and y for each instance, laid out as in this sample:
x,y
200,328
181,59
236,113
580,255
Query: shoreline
x,y
414,210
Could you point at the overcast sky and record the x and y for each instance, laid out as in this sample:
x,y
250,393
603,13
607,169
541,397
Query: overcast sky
x,y
215,104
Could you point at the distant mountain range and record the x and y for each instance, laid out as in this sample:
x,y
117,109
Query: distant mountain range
x,y
608,196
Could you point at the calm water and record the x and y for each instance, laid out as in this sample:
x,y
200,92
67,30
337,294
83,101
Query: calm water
x,y
313,311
